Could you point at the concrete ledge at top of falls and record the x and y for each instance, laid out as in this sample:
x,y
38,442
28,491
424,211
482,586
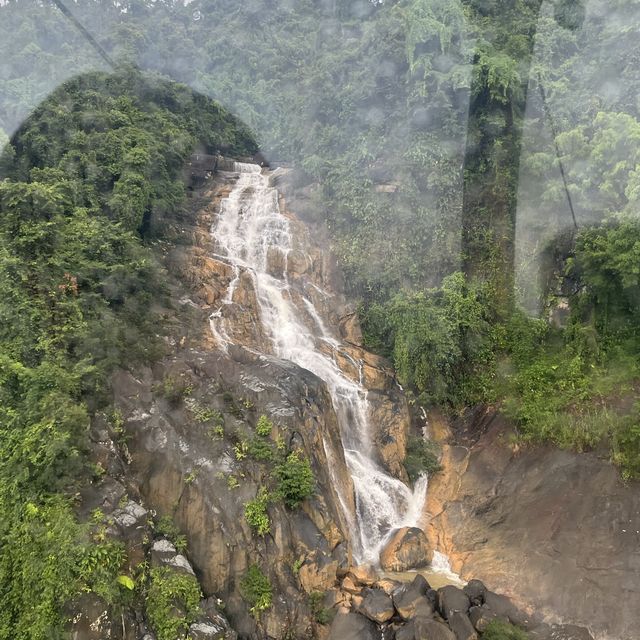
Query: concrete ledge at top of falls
x,y
554,529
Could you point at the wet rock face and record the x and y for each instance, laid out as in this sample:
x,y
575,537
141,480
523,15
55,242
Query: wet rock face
x,y
377,606
542,525
407,549
451,600
184,470
353,626
92,619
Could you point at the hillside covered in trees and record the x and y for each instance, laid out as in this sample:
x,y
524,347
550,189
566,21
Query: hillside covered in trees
x,y
82,293
476,166
423,123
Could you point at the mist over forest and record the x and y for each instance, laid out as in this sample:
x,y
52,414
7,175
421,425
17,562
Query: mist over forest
x,y
475,168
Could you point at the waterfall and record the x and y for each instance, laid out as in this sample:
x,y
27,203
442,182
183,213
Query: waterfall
x,y
249,233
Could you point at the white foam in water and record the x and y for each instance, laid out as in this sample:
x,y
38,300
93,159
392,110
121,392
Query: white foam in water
x,y
248,228
441,564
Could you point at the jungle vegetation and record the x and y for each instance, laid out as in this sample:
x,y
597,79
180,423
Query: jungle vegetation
x,y
80,293
433,137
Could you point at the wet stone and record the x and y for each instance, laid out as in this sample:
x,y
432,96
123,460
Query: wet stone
x,y
475,590
413,600
451,599
377,606
480,617
431,630
462,627
353,626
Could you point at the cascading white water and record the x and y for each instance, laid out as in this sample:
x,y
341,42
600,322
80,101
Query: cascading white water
x,y
248,231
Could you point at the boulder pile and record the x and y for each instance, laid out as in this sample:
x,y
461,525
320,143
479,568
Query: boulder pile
x,y
369,607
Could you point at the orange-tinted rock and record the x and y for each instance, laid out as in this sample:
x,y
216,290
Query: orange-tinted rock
x,y
407,549
363,574
349,585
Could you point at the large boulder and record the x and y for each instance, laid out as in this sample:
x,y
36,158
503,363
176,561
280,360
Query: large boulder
x,y
475,589
452,599
480,617
462,627
405,632
349,585
164,554
426,629
353,626
363,574
206,631
377,606
407,549
412,601
388,585
503,607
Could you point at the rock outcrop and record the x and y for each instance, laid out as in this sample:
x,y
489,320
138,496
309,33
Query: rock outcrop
x,y
556,530
182,444
414,611
408,548
129,523
186,446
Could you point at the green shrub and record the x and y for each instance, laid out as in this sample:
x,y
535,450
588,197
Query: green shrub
x,y
46,559
320,613
422,457
204,414
174,388
99,567
255,512
261,449
627,444
240,450
216,432
295,479
256,590
500,630
167,527
264,426
297,565
172,602
442,342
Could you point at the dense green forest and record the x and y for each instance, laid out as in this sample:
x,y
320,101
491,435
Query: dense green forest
x,y
80,293
424,125
428,98
436,132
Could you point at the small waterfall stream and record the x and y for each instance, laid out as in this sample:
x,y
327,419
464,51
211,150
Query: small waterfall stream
x,y
249,230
